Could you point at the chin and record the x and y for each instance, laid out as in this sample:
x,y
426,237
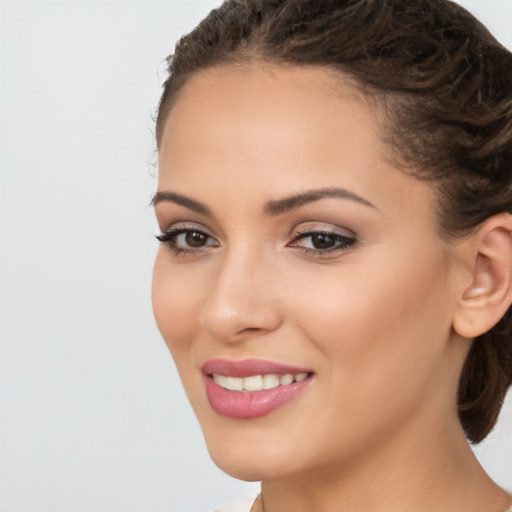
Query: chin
x,y
250,471
250,461
242,470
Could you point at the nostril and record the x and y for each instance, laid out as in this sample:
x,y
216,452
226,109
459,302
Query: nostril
x,y
230,315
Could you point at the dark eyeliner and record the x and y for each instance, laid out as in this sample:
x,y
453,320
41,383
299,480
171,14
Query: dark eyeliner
x,y
169,238
343,242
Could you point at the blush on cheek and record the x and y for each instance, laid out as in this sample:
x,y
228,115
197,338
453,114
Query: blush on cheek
x,y
172,320
170,309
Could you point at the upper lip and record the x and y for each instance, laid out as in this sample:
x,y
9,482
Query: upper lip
x,y
248,368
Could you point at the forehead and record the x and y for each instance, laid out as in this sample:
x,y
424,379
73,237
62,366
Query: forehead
x,y
265,132
239,87
236,107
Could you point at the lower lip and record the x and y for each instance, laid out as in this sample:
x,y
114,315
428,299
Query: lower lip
x,y
251,404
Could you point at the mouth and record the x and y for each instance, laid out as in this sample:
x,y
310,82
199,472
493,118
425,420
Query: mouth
x,y
257,382
252,388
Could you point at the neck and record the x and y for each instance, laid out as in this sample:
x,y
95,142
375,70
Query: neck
x,y
434,474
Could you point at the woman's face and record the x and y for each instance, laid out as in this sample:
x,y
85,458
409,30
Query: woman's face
x,y
294,251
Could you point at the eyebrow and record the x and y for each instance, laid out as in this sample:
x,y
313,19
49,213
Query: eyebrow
x,y
191,204
272,208
296,201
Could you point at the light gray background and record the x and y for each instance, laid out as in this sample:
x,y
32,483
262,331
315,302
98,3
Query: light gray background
x,y
93,417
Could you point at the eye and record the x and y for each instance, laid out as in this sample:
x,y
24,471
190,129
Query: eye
x,y
193,239
187,240
322,242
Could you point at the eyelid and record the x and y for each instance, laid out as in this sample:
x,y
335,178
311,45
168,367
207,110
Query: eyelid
x,y
323,227
188,225
174,232
169,238
343,242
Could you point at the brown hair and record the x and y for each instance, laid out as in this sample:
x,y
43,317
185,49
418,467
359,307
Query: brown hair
x,y
443,85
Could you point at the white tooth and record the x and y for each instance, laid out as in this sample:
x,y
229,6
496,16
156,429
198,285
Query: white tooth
x,y
234,384
300,376
253,383
220,379
286,379
270,381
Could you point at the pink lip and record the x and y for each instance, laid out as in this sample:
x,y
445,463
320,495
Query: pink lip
x,y
250,404
248,367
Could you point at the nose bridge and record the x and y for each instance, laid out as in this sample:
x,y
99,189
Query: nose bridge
x,y
241,298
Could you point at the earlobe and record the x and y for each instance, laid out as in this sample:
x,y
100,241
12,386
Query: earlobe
x,y
489,293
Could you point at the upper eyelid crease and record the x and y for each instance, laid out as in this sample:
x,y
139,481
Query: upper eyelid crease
x,y
185,229
334,234
337,230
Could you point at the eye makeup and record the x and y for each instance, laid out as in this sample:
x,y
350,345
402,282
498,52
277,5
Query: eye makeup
x,y
320,242
183,240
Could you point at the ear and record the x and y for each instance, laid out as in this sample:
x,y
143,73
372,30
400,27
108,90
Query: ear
x,y
487,292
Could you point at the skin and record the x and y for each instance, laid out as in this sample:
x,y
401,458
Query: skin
x,y
377,428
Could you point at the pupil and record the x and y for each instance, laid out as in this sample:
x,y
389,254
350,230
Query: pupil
x,y
195,239
322,241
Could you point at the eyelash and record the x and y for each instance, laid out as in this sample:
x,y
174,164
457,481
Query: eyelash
x,y
170,238
343,242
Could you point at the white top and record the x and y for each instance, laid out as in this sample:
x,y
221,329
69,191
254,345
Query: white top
x,y
245,504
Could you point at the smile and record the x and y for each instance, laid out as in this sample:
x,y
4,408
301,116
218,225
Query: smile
x,y
257,382
252,388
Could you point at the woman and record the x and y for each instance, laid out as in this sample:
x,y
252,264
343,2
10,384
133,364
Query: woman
x,y
334,279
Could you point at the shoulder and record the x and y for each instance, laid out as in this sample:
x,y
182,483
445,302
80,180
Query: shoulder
x,y
243,505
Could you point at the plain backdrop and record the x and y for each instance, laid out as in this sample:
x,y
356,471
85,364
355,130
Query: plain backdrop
x,y
92,415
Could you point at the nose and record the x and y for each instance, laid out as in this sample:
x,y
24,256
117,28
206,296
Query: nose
x,y
242,300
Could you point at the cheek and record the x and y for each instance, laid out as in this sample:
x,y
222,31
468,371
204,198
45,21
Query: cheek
x,y
380,316
175,301
380,334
